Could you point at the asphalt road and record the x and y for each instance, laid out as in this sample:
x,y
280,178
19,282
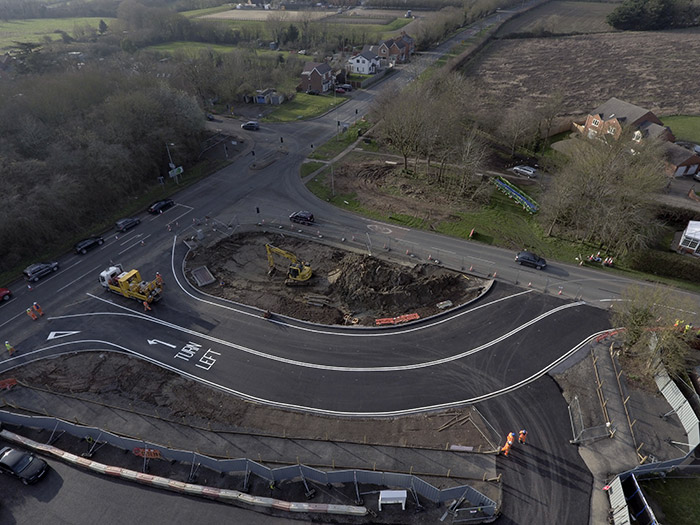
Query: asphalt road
x,y
503,343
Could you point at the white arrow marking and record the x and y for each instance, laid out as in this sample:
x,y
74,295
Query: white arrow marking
x,y
56,335
156,342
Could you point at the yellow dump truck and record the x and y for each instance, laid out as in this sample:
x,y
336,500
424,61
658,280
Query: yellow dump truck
x,y
129,284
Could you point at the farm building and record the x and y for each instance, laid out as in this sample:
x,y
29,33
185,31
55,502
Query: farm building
x,y
690,239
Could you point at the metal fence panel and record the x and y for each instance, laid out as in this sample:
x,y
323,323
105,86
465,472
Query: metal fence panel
x,y
681,405
618,502
390,479
426,490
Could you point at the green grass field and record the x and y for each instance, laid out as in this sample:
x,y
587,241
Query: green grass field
x,y
34,30
196,47
304,106
684,127
678,499
562,18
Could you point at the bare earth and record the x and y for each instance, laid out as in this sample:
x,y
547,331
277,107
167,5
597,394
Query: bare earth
x,y
645,68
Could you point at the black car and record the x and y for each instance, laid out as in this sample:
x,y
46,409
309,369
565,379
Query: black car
x,y
22,465
88,244
160,206
36,271
530,259
127,223
302,217
251,125
312,92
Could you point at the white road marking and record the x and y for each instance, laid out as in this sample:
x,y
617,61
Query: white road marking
x,y
13,318
317,366
156,342
135,244
415,410
56,335
341,334
77,279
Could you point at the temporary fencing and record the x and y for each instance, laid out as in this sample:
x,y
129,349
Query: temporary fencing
x,y
247,466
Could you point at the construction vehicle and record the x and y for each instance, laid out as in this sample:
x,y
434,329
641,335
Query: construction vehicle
x,y
129,284
298,273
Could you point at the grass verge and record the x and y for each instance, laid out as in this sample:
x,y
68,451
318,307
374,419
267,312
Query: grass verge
x,y
303,107
677,498
341,141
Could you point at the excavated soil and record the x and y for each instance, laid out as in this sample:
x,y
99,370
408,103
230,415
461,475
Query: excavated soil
x,y
346,287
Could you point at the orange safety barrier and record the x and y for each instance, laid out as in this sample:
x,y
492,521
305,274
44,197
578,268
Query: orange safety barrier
x,y
6,384
386,320
150,453
405,318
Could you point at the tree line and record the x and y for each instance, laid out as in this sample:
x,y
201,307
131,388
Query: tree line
x,y
646,15
76,146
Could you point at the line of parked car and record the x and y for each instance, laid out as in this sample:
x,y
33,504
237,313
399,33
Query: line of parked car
x,y
34,272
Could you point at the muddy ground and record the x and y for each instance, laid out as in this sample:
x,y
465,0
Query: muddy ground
x,y
131,384
346,287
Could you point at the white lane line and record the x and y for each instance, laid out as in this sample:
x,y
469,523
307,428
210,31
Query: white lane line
x,y
89,271
304,408
13,318
317,366
135,244
343,334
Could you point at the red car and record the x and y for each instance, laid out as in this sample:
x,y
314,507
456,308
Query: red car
x,y
339,90
5,294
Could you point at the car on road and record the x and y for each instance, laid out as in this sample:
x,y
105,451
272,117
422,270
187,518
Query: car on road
x,y
127,223
36,271
527,171
5,294
302,217
160,206
83,246
23,465
530,259
251,125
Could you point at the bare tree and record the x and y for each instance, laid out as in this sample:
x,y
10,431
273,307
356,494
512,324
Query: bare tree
x,y
656,322
519,124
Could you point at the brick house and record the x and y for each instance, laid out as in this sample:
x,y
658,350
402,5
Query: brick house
x,y
316,76
365,63
608,119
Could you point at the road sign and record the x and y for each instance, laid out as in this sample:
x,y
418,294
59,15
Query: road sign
x,y
175,172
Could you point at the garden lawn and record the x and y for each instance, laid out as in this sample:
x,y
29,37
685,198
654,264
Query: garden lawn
x,y
303,106
684,127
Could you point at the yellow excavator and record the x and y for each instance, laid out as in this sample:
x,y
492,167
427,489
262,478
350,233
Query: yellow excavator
x,y
298,273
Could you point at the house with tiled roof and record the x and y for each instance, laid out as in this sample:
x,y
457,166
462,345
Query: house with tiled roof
x,y
316,76
608,119
365,63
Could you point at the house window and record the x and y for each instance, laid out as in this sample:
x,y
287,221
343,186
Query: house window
x,y
596,122
611,130
637,136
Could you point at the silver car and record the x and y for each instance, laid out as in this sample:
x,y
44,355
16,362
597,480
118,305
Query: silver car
x,y
527,171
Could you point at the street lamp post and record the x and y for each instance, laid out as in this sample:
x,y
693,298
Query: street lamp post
x,y
170,159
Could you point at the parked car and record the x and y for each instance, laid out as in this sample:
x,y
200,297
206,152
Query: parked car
x,y
251,125
697,176
312,92
160,206
36,271
210,117
530,259
527,171
339,90
346,87
23,465
127,223
302,217
5,294
83,246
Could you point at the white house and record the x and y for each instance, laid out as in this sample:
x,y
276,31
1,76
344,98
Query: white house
x,y
690,240
366,63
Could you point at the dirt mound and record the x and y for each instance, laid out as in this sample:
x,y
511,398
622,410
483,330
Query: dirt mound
x,y
345,286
